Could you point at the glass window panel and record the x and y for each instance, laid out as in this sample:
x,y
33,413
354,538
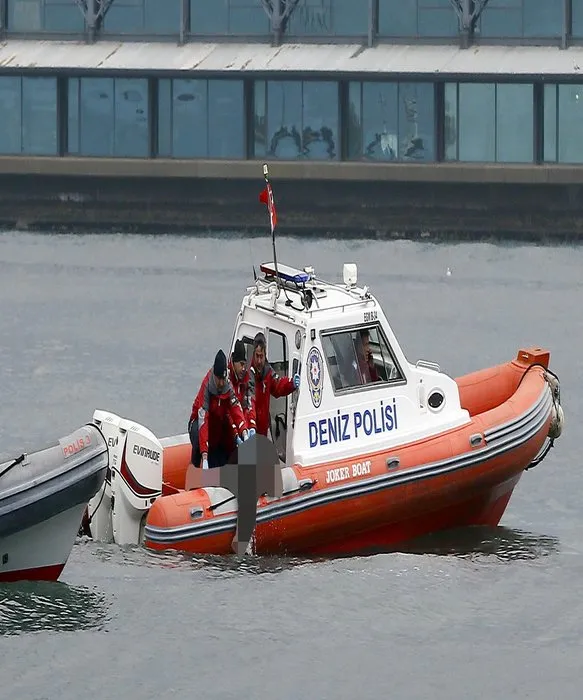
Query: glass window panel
x,y
247,17
311,17
438,21
209,17
354,120
284,119
260,119
165,118
73,116
550,124
451,121
124,17
570,123
189,118
228,16
381,363
39,116
543,18
302,120
162,16
393,122
329,17
320,120
434,5
359,357
131,118
350,17
96,111
500,21
25,15
10,114
477,122
45,15
416,122
514,123
64,16
226,119
380,121
577,17
504,4
397,18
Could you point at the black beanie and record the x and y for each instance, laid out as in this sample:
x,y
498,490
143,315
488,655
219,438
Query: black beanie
x,y
220,366
239,354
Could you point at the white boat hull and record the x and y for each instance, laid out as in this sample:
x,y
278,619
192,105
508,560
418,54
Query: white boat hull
x,y
40,552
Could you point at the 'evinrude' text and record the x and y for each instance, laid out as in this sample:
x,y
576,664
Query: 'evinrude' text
x,y
146,452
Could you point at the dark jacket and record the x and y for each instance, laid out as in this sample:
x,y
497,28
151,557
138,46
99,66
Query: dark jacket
x,y
218,414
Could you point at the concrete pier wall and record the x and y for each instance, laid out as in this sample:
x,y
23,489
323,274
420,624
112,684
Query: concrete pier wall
x,y
531,202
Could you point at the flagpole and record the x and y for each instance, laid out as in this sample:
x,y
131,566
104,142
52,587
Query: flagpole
x,y
269,209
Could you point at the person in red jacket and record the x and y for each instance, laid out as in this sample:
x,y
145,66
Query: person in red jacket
x,y
240,379
267,384
365,358
216,415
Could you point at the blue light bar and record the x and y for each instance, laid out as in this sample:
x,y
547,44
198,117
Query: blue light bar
x,y
287,273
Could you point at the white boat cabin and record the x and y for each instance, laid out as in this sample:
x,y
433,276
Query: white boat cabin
x,y
343,408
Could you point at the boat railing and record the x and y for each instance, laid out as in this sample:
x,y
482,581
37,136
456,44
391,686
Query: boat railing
x,y
342,306
428,365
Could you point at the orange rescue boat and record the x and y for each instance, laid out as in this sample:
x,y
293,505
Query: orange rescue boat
x,y
372,453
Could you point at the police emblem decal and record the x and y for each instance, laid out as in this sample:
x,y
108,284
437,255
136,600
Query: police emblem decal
x,y
315,375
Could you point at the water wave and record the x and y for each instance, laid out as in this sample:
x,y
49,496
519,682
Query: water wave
x,y
27,607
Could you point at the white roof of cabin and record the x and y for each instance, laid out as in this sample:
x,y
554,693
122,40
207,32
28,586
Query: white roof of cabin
x,y
337,300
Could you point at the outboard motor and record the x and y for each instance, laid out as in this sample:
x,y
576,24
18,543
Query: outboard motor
x,y
99,508
136,481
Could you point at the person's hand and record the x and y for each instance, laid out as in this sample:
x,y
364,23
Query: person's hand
x,y
296,381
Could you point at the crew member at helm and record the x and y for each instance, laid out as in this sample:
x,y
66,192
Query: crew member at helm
x,y
240,379
267,383
365,358
215,408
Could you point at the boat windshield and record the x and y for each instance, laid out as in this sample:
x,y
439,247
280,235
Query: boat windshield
x,y
359,356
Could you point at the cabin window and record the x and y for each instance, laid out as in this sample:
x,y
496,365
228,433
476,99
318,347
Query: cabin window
x,y
277,353
277,356
359,356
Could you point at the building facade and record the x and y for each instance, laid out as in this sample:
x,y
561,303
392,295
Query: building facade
x,y
362,117
341,83
334,120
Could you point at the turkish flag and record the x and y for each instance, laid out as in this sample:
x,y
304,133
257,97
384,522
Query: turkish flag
x,y
266,197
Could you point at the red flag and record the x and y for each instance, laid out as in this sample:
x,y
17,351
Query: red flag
x,y
266,197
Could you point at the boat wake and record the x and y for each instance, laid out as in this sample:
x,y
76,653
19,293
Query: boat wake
x,y
211,564
46,606
504,543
